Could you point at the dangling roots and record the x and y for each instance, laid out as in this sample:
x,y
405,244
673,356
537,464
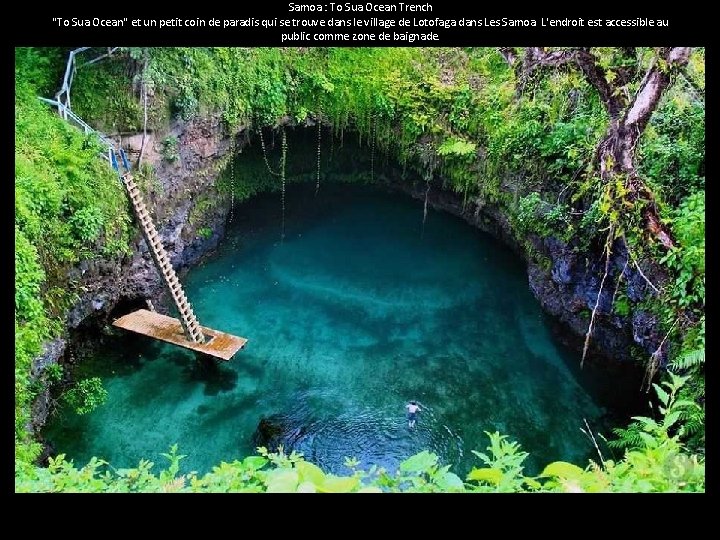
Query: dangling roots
x,y
373,133
425,206
232,178
608,245
654,362
282,179
267,163
319,131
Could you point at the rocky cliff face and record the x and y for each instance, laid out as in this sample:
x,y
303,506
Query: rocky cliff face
x,y
566,283
183,199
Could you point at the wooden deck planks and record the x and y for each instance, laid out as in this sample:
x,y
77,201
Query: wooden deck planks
x,y
158,326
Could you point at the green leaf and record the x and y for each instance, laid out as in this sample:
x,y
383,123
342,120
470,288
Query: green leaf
x,y
254,462
662,394
485,474
282,481
671,418
647,422
418,463
338,484
532,483
562,469
685,403
482,456
450,482
648,439
456,147
310,473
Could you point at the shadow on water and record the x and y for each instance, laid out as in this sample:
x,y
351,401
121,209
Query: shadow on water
x,y
215,376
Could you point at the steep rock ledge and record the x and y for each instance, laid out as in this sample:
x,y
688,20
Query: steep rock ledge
x,y
566,283
179,192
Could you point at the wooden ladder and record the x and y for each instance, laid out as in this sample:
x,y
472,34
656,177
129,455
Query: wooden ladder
x,y
189,321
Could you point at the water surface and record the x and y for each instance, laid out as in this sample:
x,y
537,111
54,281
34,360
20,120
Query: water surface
x,y
354,313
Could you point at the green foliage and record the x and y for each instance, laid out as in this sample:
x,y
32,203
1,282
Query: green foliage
x,y
103,93
456,147
504,466
41,68
54,373
621,305
29,277
687,262
69,206
689,360
672,409
205,232
453,113
170,151
539,217
673,148
86,395
87,223
658,463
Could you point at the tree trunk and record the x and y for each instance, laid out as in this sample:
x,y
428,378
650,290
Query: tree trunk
x,y
627,121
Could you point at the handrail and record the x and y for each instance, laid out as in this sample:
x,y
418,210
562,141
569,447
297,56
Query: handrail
x,y
67,79
68,115
63,106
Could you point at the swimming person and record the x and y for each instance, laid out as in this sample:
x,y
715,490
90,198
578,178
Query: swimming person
x,y
413,408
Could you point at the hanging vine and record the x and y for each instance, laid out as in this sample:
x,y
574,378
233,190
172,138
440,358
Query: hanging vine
x,y
282,179
373,133
319,132
608,254
429,160
232,178
264,151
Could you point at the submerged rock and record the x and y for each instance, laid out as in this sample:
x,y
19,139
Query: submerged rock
x,y
278,430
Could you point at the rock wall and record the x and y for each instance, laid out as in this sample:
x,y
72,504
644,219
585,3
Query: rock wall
x,y
172,198
184,198
567,287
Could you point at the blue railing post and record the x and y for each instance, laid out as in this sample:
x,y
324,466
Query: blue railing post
x,y
113,161
124,160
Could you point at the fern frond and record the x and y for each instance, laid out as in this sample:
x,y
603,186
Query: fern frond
x,y
627,437
688,360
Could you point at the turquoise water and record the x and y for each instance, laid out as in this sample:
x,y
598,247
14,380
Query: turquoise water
x,y
356,312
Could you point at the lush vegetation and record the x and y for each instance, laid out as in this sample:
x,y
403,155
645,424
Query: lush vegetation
x,y
526,144
69,207
657,462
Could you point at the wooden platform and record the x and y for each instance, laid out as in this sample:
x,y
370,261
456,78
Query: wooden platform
x,y
158,326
